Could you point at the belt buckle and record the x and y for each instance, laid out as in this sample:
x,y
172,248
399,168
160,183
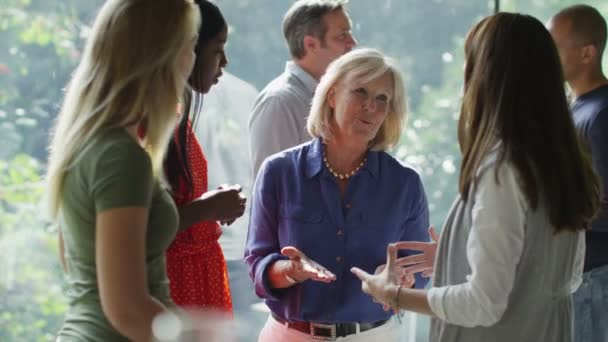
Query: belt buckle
x,y
330,327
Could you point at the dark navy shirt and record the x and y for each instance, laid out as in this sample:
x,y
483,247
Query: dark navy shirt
x,y
590,113
296,201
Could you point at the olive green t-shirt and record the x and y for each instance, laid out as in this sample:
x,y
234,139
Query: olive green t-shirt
x,y
114,172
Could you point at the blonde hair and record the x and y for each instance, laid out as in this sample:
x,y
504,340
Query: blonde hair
x,y
129,72
361,65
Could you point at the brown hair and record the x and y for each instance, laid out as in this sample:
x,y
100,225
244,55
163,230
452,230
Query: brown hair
x,y
305,18
514,95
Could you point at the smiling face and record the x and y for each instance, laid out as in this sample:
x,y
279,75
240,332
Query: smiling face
x,y
360,108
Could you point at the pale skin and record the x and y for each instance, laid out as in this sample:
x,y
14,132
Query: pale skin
x,y
61,249
359,112
581,64
385,288
225,204
120,257
581,61
120,250
337,41
423,262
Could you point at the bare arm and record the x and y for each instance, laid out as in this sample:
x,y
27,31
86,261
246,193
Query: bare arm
x,y
121,271
224,204
384,287
61,249
411,300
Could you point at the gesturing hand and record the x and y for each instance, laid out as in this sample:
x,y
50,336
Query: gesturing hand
x,y
382,284
303,268
406,280
423,262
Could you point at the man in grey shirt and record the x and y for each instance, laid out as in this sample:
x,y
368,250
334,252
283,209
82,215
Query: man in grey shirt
x,y
317,32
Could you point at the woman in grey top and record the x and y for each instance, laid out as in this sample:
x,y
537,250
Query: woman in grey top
x,y
511,249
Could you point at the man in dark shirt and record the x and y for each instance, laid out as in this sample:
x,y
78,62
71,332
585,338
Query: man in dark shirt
x,y
579,33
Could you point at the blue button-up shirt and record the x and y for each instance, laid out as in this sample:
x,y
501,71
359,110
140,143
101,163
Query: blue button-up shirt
x,y
296,202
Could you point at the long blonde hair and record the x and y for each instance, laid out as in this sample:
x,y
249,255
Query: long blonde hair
x,y
129,73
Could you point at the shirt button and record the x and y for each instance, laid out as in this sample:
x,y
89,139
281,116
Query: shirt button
x,y
340,232
348,205
338,258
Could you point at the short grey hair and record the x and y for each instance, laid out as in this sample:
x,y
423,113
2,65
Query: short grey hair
x,y
362,65
305,18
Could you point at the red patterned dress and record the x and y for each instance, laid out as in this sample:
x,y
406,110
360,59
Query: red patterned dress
x,y
195,263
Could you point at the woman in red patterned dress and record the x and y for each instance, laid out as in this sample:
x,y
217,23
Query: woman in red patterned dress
x,y
195,263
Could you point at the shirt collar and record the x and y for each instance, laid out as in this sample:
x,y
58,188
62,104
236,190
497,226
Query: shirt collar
x,y
309,82
371,165
314,160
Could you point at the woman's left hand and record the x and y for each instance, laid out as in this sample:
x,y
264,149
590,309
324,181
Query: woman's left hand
x,y
419,263
382,286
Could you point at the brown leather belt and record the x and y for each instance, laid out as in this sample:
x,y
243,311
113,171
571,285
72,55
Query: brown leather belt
x,y
327,331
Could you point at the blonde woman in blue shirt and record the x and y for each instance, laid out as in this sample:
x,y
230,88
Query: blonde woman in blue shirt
x,y
336,202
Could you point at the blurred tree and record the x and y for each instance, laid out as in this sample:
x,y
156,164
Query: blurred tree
x,y
31,303
41,42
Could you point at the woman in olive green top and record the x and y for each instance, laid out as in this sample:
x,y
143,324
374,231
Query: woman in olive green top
x,y
104,180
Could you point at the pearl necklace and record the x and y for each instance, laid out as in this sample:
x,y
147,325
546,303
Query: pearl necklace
x,y
346,175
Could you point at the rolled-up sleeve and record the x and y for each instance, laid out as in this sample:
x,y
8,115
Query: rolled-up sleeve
x,y
579,263
262,248
494,249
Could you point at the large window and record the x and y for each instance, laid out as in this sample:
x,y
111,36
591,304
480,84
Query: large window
x,y
41,42
426,37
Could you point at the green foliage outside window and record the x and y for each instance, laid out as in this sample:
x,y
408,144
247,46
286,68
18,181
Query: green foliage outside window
x,y
41,42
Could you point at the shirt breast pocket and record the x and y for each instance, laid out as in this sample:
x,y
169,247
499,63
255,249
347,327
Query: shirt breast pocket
x,y
301,214
383,228
301,226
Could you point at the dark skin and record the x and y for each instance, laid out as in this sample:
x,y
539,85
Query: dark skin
x,y
226,203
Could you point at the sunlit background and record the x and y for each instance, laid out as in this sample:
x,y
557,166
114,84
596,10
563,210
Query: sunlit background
x,y
41,42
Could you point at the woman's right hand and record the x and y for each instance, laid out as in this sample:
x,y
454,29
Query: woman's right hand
x,y
227,203
302,268
380,284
